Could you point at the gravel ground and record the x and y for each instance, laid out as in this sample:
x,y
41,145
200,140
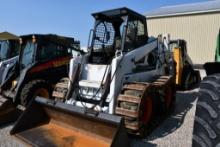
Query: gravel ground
x,y
6,140
174,131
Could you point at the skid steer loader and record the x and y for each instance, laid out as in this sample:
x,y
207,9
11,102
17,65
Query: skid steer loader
x,y
43,60
126,76
9,50
186,76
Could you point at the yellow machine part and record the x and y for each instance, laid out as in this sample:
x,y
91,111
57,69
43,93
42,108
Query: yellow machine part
x,y
14,83
179,64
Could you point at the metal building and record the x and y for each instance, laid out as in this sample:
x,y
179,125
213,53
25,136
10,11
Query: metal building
x,y
197,23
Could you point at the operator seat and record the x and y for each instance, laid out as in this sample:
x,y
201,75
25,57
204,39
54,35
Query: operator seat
x,y
130,42
117,43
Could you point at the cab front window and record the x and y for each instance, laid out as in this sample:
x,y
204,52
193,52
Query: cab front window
x,y
4,47
28,53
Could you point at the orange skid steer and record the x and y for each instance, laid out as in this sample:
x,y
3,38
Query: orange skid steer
x,y
42,61
59,124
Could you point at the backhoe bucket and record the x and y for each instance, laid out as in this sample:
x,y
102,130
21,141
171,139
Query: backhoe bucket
x,y
49,123
8,111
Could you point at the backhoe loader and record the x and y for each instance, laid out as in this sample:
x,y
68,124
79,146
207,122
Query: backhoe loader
x,y
124,81
186,76
9,50
43,60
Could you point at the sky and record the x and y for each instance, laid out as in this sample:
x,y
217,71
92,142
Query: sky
x,y
66,17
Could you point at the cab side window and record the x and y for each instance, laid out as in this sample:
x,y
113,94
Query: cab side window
x,y
136,36
15,47
51,51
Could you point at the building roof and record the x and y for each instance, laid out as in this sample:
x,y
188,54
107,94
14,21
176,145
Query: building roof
x,y
185,9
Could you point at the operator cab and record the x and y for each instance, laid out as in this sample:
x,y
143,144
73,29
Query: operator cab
x,y
43,48
9,46
8,49
116,30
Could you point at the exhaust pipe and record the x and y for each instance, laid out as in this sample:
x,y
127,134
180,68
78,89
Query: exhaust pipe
x,y
49,123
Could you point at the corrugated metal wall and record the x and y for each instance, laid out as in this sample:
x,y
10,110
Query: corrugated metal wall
x,y
200,31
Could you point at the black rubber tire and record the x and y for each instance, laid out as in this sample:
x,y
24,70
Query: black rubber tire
x,y
214,77
162,109
187,75
206,130
197,77
29,89
171,109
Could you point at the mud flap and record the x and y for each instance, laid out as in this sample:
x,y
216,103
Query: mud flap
x,y
50,123
8,111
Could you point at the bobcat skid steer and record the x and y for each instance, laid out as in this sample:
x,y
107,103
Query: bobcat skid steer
x,y
124,80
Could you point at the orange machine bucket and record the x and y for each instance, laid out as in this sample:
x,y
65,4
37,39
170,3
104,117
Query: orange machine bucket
x,y
55,124
8,111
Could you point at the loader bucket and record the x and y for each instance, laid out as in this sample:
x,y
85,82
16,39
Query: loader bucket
x,y
49,123
8,111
